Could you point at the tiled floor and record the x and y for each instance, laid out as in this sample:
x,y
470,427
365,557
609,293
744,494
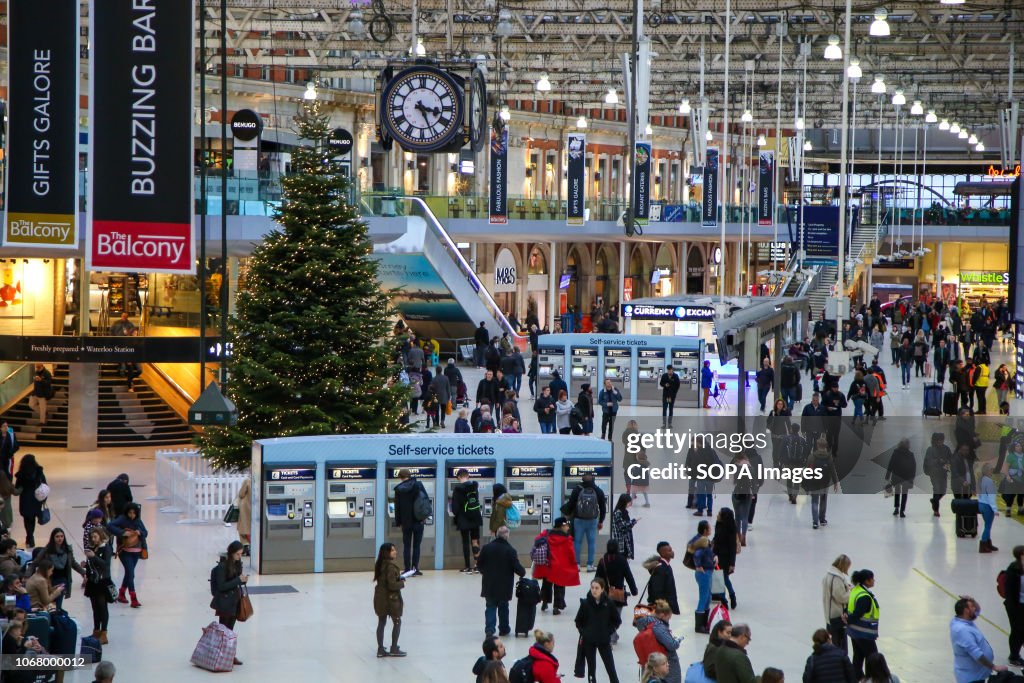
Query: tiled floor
x,y
324,632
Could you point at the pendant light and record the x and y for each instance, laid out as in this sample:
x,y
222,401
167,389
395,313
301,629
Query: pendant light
x,y
808,146
973,140
880,26
648,130
709,137
762,141
944,124
853,71
612,97
544,84
833,51
800,123
581,122
747,116
878,87
898,98
980,147
931,117
962,134
916,109
955,128
505,114
684,106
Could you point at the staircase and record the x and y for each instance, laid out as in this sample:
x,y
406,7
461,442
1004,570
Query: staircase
x,y
126,419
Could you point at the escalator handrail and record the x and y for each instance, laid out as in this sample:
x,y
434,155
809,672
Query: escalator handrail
x,y
464,267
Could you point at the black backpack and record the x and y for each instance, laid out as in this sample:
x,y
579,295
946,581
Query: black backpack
x,y
576,421
522,671
587,505
422,508
472,501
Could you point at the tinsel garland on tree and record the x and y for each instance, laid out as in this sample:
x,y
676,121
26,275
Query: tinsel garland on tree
x,y
311,337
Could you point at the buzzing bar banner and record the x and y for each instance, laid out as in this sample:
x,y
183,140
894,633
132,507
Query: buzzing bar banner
x,y
140,143
42,135
498,208
577,194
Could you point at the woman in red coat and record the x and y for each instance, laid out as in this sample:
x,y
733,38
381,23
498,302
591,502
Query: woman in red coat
x,y
561,569
545,665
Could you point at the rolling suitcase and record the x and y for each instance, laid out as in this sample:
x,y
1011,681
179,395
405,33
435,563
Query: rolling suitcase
x,y
966,512
527,597
932,400
949,403
38,624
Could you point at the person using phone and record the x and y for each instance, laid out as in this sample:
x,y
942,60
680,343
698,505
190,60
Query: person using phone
x,y
40,592
226,581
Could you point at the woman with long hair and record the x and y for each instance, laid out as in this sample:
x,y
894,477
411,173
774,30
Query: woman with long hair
x,y
659,624
494,672
613,567
622,525
596,621
835,589
827,663
97,582
720,632
655,669
862,619
132,545
105,504
876,670
30,476
62,556
226,583
387,598
726,546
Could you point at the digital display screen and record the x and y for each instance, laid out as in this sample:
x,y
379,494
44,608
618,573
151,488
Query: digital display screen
x,y
646,374
337,508
579,372
563,282
611,373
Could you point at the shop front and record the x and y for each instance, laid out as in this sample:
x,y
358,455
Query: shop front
x,y
536,288
975,285
505,283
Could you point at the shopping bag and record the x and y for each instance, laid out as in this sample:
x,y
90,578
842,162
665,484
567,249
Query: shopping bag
x,y
718,613
717,581
216,648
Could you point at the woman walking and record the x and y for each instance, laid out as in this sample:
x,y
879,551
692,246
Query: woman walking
x,y
827,663
27,481
726,546
105,504
1012,485
132,545
226,583
987,507
613,567
98,583
387,598
659,624
704,567
862,620
561,570
622,526
937,460
835,590
62,557
244,526
596,620
1001,383
900,475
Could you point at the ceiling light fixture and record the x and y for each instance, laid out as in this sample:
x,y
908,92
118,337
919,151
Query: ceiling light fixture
x,y
880,27
800,123
944,124
931,117
709,137
980,147
833,51
955,128
505,114
878,87
854,71
421,50
355,26
973,140
310,93
762,141
952,2
648,130
916,109
962,134
898,98
747,116
684,106
581,122
808,146
612,97
504,27
543,83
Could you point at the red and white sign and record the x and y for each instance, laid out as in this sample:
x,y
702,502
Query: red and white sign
x,y
141,247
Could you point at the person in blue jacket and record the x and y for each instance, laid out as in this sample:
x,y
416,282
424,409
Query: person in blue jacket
x,y
609,398
132,545
706,379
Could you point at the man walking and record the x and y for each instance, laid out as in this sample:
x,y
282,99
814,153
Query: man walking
x,y
669,384
662,585
587,506
499,564
42,391
443,391
409,516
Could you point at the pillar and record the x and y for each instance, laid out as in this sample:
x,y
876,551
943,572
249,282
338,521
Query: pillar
x,y
83,382
232,283
683,273
777,361
552,284
622,271
938,269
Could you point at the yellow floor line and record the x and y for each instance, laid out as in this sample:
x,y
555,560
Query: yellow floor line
x,y
957,597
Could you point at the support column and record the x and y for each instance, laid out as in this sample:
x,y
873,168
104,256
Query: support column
x,y
938,269
552,284
683,273
777,362
741,392
83,382
232,283
622,272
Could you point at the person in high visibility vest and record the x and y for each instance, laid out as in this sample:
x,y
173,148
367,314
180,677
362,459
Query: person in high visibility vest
x,y
862,618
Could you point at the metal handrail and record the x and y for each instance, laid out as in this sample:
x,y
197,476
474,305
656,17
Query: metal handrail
x,y
14,372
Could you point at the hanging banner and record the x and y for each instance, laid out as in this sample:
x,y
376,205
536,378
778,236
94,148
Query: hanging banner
x,y
642,186
766,188
577,192
709,203
821,235
498,205
140,144
42,133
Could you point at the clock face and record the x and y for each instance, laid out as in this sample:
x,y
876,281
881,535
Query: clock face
x,y
423,108
478,111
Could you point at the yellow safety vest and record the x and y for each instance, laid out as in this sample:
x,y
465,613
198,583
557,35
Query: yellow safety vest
x,y
866,627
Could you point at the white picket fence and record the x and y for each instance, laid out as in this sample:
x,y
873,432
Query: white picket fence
x,y
193,488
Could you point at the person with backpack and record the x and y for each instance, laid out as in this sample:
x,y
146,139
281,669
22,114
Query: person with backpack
x,y
655,636
467,517
827,663
609,397
613,567
1012,592
499,508
540,665
387,598
27,482
560,571
596,620
409,508
789,381
226,581
587,507
498,564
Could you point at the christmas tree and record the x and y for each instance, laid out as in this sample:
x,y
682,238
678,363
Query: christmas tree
x,y
311,337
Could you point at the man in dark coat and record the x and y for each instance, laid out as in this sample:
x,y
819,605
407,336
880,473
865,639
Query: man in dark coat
x,y
42,391
412,529
663,581
467,516
120,493
499,564
557,384
443,390
482,337
487,389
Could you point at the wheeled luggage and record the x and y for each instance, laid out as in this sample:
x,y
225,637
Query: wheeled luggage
x,y
216,648
949,403
38,624
932,400
965,510
527,597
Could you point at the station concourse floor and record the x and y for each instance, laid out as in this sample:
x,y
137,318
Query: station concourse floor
x,y
325,630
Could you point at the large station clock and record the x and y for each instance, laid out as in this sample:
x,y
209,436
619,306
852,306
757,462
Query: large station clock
x,y
423,109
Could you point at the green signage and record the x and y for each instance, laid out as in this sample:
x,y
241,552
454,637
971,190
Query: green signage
x,y
984,277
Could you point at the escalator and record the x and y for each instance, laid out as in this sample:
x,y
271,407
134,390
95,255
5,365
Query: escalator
x,y
436,290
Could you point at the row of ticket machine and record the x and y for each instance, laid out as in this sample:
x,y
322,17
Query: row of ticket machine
x,y
333,515
633,363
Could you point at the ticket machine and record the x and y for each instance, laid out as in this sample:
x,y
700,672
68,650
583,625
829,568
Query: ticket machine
x,y
289,502
427,475
350,539
572,476
550,359
687,365
532,487
650,363
617,362
582,370
483,473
